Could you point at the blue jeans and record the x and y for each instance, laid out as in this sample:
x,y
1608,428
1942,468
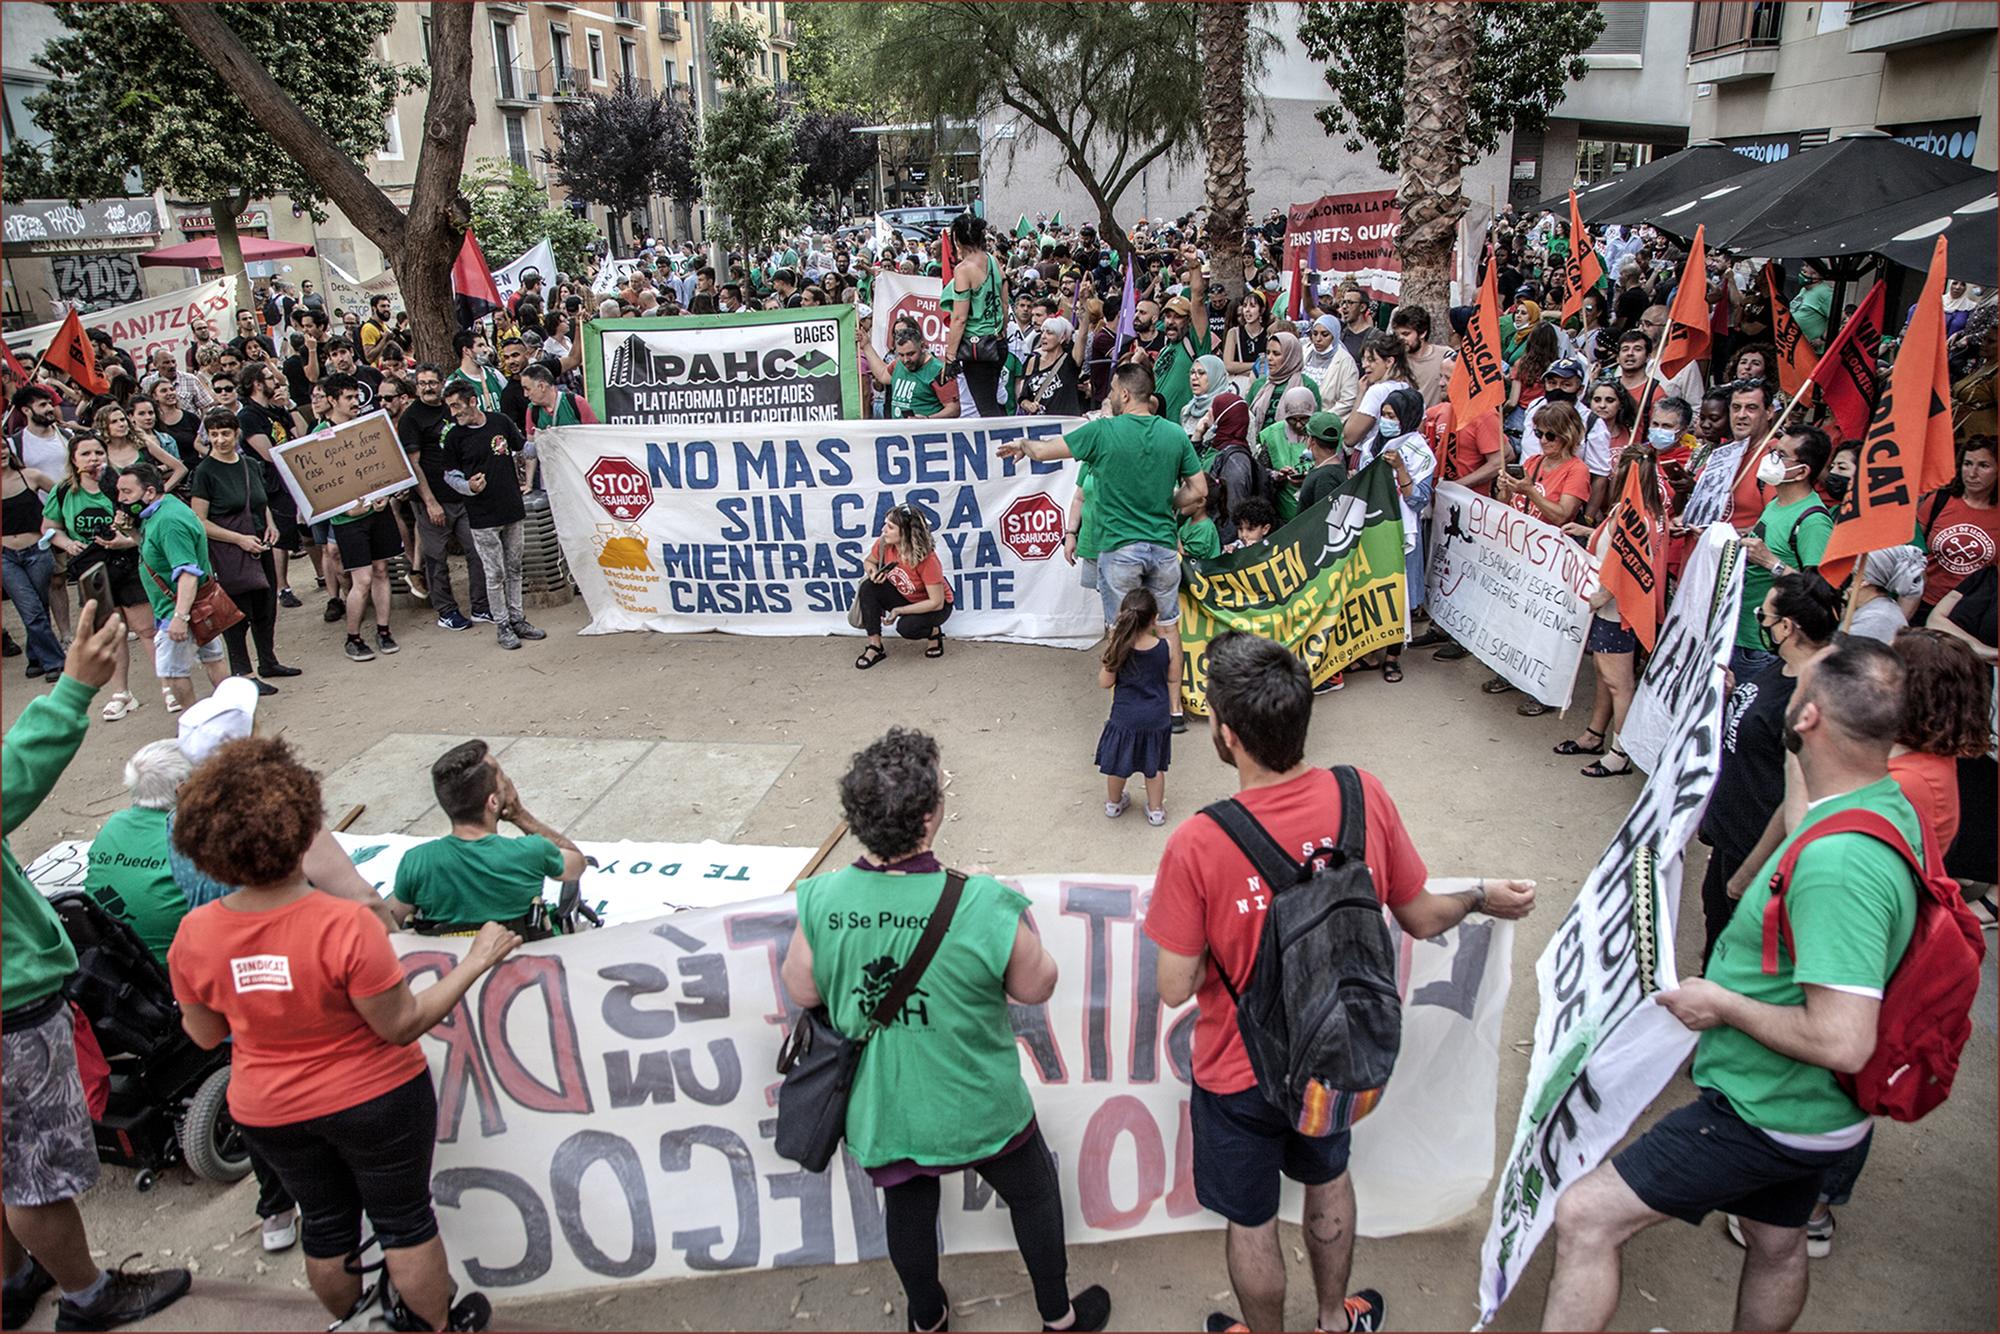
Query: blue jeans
x,y
26,574
1156,567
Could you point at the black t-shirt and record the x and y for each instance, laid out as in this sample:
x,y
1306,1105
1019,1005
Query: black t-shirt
x,y
229,488
1053,388
514,402
371,387
1977,606
183,431
421,429
1631,304
1218,325
295,376
490,450
1752,782
254,418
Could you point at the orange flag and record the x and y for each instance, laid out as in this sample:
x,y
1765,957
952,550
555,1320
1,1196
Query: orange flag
x,y
1478,375
70,352
1582,268
1796,359
1634,569
1686,336
1908,450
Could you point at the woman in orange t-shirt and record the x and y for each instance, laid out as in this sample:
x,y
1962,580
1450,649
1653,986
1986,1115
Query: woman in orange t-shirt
x,y
1556,483
326,1082
903,583
1947,697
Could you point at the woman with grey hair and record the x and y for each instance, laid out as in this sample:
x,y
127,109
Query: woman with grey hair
x,y
1888,584
129,875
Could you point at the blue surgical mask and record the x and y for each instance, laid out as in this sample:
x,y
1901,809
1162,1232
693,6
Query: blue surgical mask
x,y
1390,427
1661,436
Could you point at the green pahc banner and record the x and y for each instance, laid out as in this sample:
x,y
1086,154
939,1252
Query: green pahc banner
x,y
752,365
1329,585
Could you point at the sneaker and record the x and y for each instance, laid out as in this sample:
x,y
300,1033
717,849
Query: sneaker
x,y
1114,809
335,609
173,705
1180,723
127,1297
20,1297
281,1232
1365,1310
1451,653
1430,638
385,641
287,598
1156,818
417,585
1819,1235
358,651
526,631
507,637
452,620
1338,681
484,618
1089,1310
1221,1322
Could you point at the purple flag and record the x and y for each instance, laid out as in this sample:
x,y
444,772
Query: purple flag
x,y
1126,305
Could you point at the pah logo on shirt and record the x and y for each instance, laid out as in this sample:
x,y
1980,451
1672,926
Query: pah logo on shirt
x,y
262,972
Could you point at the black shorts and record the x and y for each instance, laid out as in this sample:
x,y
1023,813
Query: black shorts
x,y
1242,1146
1704,1156
128,587
368,540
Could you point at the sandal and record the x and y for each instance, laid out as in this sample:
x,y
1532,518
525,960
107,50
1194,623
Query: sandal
x,y
1534,708
1598,769
1392,671
936,647
1571,748
1497,686
870,655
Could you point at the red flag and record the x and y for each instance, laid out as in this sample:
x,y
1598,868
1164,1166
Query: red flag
x,y
1686,335
1796,359
947,256
1582,268
1478,375
473,292
71,353
14,367
1634,569
1846,374
1908,450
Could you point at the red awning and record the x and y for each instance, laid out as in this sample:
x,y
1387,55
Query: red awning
x,y
207,253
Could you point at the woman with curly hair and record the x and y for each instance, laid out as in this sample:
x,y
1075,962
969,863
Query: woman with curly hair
x,y
939,1088
327,1084
1947,703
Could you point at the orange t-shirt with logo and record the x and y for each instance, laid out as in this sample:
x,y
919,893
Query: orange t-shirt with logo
x,y
1571,477
1960,541
913,582
1463,448
286,981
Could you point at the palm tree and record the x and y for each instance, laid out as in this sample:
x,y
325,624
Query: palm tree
x,y
1223,31
1439,43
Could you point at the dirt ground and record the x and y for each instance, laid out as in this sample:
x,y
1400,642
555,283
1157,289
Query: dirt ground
x,y
1477,785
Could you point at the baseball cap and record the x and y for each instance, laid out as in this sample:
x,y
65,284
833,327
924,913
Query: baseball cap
x,y
227,715
1569,368
1178,305
1325,426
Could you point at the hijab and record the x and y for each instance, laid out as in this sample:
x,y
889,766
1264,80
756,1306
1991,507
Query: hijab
x,y
1298,401
1316,360
1287,370
1218,382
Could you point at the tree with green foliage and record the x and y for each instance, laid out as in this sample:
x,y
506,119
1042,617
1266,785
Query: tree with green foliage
x,y
131,92
829,68
510,213
1432,85
622,148
745,158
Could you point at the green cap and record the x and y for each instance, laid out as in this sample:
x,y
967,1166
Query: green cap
x,y
1326,427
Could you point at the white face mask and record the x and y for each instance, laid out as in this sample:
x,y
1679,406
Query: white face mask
x,y
1771,470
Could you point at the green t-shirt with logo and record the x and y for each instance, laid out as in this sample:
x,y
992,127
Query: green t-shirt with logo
x,y
131,878
1136,461
1170,371
1853,904
172,539
474,880
941,1084
1283,452
1797,535
82,515
913,393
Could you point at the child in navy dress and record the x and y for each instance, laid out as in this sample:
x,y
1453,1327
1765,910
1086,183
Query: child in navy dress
x,y
1138,737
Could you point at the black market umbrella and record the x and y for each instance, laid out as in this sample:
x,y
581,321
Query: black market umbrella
x,y
1904,232
1750,213
1623,197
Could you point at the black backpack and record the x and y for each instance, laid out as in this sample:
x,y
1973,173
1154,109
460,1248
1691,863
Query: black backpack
x,y
1262,484
118,984
1320,1014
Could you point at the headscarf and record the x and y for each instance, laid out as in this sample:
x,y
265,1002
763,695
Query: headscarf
x,y
1316,360
1288,369
1533,311
1218,381
1897,571
1298,401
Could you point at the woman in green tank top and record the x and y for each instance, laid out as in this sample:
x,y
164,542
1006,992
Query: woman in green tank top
x,y
976,295
939,1088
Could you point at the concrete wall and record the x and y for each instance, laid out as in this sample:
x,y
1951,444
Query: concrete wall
x,y
1649,88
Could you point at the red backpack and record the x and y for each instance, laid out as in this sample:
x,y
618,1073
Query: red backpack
x,y
1926,1012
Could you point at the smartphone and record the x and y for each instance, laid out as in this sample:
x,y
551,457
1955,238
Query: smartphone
x,y
96,584
1517,470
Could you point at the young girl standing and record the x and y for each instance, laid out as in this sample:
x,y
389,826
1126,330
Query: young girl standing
x,y
1138,737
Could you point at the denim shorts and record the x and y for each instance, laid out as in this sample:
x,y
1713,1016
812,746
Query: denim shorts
x,y
1155,567
1086,571
175,661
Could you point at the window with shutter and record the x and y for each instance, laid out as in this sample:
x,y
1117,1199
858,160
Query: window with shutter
x,y
1624,29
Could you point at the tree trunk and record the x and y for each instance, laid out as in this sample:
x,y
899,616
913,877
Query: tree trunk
x,y
1224,32
222,212
1438,47
420,248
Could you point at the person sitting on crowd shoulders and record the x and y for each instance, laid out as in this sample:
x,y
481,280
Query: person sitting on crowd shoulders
x,y
903,584
1261,703
1771,1119
921,1109
1790,533
326,1082
174,561
473,875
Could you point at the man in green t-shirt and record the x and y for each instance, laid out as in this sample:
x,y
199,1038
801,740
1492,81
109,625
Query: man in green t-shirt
x,y
130,874
1185,340
917,384
487,382
1772,1120
472,875
173,562
1791,534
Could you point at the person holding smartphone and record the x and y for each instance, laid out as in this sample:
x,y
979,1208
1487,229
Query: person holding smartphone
x,y
81,519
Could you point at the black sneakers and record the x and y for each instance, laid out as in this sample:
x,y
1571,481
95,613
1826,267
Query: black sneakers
x,y
19,1298
1092,1309
335,610
525,631
127,1297
358,650
384,641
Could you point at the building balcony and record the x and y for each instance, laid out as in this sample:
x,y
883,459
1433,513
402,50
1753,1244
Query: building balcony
x,y
515,86
785,33
670,23
1887,25
506,7
643,87
626,12
1733,42
564,83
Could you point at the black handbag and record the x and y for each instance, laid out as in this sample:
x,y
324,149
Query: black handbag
x,y
818,1061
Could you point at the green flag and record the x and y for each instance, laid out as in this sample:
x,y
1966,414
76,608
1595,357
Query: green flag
x,y
1058,219
1023,229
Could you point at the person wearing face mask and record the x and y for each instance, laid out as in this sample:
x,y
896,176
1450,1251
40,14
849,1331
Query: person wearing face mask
x,y
1399,437
1790,534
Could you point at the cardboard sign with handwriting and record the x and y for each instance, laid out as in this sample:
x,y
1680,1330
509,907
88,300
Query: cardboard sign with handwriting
x,y
330,470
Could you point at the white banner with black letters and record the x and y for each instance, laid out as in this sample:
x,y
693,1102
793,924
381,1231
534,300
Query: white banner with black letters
x,y
1700,624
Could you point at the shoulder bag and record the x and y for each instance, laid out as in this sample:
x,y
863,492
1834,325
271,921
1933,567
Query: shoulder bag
x,y
213,611
818,1061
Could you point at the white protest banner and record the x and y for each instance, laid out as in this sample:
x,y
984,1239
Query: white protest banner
x,y
904,295
605,1113
631,882
749,366
1511,588
541,257
145,327
1714,490
344,291
334,469
1603,1047
761,529
611,275
1693,634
